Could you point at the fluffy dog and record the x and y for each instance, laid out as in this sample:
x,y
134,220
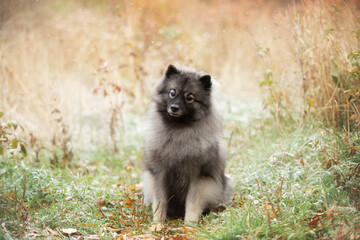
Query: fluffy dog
x,y
184,158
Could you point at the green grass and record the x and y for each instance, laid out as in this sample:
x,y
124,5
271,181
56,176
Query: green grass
x,y
282,189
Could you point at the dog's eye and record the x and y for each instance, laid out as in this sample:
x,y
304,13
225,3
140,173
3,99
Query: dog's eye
x,y
189,98
172,93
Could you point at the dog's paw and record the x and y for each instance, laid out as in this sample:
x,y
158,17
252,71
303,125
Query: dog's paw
x,y
191,219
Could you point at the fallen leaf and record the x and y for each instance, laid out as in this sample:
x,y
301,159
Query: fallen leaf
x,y
92,237
11,195
134,187
128,167
100,203
324,162
189,230
51,232
124,235
352,152
129,202
156,227
312,232
328,165
288,226
302,162
69,230
313,223
219,209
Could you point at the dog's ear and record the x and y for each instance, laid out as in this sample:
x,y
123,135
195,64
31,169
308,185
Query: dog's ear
x,y
171,70
206,81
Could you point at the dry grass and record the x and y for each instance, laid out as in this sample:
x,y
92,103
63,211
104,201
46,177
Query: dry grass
x,y
55,54
317,76
326,37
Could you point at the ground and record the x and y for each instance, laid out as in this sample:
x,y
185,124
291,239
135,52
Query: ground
x,y
284,187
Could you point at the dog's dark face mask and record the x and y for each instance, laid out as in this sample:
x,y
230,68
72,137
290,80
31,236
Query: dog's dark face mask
x,y
183,96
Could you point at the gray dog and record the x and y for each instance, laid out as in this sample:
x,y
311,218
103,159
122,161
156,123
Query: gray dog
x,y
184,158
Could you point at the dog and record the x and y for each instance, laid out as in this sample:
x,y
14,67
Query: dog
x,y
184,157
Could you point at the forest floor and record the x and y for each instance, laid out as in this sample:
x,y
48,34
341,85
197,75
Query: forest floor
x,y
292,181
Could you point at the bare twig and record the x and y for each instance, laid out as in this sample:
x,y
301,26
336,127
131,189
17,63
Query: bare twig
x,y
15,199
102,213
22,207
42,206
267,210
272,205
280,193
13,154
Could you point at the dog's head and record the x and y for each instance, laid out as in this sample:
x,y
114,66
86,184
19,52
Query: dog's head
x,y
183,95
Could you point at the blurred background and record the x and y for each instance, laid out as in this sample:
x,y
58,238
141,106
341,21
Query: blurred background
x,y
75,73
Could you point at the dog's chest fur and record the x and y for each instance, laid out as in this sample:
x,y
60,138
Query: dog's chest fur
x,y
181,147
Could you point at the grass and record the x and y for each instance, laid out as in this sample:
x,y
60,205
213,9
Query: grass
x,y
282,190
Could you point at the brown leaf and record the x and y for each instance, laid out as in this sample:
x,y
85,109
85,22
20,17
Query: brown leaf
x,y
352,152
156,227
25,217
51,232
313,223
328,165
219,208
302,161
11,195
100,203
116,88
129,202
189,230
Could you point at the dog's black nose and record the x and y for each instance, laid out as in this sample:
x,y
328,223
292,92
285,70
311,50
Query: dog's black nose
x,y
174,108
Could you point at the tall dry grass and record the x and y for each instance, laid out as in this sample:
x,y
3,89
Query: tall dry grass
x,y
83,66
324,83
327,35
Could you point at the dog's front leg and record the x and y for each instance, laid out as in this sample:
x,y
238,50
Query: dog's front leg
x,y
159,206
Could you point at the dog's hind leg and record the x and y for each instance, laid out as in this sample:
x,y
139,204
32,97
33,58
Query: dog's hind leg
x,y
159,206
202,193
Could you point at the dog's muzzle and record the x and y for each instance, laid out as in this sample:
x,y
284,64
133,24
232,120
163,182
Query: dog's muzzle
x,y
174,110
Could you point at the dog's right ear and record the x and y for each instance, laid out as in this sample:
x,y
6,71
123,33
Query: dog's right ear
x,y
171,70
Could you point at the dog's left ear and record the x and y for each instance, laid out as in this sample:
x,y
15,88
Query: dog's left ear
x,y
206,81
